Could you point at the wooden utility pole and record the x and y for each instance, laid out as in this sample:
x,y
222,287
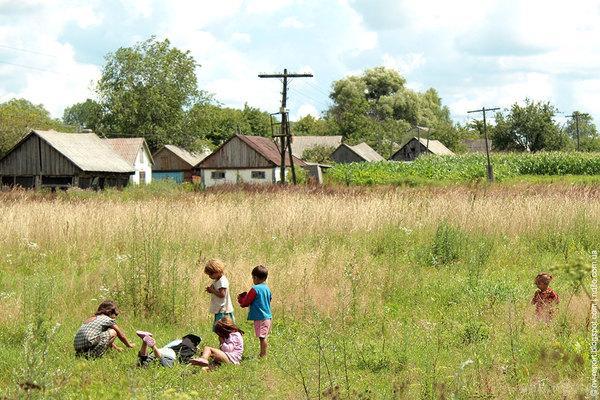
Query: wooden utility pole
x,y
490,171
285,135
575,116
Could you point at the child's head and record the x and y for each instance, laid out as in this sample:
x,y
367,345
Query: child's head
x,y
259,274
214,268
225,327
108,308
542,281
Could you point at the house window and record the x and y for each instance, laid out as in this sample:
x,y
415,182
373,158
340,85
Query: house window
x,y
142,177
259,175
217,175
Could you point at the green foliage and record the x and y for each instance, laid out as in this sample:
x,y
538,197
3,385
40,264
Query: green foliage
x,y
146,90
319,154
465,168
87,115
309,125
447,244
529,128
19,116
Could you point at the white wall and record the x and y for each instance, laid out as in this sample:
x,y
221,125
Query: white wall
x,y
233,176
142,163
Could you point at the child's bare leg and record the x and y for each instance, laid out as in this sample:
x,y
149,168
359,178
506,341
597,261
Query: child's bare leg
x,y
216,354
156,351
143,350
263,346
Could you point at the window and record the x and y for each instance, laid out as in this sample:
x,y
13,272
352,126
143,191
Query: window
x,y
217,175
258,175
142,177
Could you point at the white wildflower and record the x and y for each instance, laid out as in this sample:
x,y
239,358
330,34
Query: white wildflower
x,y
466,363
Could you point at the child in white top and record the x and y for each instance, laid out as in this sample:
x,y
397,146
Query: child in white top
x,y
220,300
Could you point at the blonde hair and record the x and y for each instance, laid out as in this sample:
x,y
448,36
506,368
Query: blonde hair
x,y
543,277
214,266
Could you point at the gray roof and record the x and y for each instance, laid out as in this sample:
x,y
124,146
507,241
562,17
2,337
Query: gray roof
x,y
477,145
301,143
365,152
191,158
87,151
435,146
128,148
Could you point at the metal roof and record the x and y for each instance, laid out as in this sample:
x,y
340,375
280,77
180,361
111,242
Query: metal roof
x,y
477,145
365,152
128,148
435,146
301,143
191,158
86,150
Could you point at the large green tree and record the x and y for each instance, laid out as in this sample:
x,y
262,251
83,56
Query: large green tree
x,y
529,128
85,115
378,108
147,89
589,140
309,125
19,116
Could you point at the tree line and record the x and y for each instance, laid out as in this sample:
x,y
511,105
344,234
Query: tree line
x,y
150,90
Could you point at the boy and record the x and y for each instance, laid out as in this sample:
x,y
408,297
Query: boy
x,y
220,300
259,301
544,299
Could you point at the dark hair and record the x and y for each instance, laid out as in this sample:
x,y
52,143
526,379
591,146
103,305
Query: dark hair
x,y
225,327
261,272
108,308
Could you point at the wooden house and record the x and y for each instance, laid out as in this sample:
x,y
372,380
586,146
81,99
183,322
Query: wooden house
x,y
59,160
361,152
417,146
136,152
302,143
244,159
172,162
477,145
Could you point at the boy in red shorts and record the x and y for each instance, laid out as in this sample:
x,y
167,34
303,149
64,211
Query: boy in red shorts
x,y
259,301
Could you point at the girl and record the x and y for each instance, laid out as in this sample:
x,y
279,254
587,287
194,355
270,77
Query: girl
x,y
544,299
232,345
98,332
220,300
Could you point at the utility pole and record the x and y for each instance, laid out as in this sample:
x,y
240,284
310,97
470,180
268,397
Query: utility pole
x,y
490,171
285,135
575,116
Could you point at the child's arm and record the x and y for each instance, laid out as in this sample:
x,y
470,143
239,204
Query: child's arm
x,y
221,292
246,300
122,337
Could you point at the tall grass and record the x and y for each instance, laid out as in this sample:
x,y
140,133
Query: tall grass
x,y
416,293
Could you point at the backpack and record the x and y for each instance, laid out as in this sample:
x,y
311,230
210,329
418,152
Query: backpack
x,y
187,348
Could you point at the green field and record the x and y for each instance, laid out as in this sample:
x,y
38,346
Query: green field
x,y
466,168
416,293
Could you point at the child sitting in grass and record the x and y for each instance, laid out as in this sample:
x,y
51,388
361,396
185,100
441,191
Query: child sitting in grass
x,y
231,348
544,299
220,300
98,332
182,350
259,301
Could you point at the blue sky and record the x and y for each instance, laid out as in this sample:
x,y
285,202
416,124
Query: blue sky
x,y
484,53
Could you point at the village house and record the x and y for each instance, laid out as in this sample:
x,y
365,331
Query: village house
x,y
244,159
302,143
60,160
417,146
136,152
477,145
361,152
175,163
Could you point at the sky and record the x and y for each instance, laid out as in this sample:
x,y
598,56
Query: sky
x,y
474,53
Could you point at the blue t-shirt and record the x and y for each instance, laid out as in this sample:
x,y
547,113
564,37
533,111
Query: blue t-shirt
x,y
261,306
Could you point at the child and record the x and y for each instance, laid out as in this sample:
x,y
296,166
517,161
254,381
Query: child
x,y
182,350
544,299
220,300
98,332
259,300
232,345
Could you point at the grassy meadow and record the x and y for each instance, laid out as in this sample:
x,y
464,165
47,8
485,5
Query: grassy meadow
x,y
379,293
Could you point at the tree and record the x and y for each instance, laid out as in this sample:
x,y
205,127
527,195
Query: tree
x,y
529,128
19,116
378,108
86,115
146,90
309,125
589,140
319,154
259,121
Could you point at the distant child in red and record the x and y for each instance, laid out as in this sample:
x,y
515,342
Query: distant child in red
x,y
544,299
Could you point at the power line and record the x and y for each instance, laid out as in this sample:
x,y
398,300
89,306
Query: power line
x,y
27,51
29,67
490,171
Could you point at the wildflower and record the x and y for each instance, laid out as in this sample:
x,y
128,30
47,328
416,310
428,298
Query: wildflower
x,y
466,363
32,245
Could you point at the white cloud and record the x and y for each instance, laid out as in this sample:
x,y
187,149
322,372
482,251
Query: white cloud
x,y
405,64
306,109
292,22
239,37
